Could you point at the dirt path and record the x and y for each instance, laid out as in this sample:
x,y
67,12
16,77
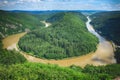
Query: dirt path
x,y
103,55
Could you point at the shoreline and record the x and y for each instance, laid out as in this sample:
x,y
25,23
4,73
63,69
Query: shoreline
x,y
103,55
81,61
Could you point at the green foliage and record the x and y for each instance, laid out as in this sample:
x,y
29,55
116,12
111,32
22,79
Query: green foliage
x,y
11,23
10,57
76,68
59,16
1,44
108,71
108,24
66,37
38,71
117,55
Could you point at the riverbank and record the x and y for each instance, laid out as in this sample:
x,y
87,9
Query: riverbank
x,y
11,41
46,23
100,57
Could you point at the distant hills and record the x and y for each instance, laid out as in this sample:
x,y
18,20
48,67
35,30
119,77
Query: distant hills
x,y
15,22
13,65
86,12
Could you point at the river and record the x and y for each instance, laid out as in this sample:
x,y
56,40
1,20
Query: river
x,y
105,51
91,30
102,56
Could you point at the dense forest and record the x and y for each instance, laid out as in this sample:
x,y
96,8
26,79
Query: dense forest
x,y
108,25
38,71
13,66
66,37
10,57
14,22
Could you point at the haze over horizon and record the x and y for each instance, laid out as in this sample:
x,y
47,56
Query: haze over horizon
x,y
59,5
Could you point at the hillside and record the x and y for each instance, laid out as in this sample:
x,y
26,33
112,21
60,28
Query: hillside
x,y
38,71
108,25
57,17
13,65
66,37
10,57
11,22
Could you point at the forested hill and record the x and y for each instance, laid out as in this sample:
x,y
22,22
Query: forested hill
x,y
66,37
11,22
13,65
108,25
59,16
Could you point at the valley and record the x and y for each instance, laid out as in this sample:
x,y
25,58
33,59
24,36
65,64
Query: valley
x,y
86,55
102,56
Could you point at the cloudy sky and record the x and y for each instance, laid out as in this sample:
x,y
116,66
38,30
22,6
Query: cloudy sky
x,y
59,4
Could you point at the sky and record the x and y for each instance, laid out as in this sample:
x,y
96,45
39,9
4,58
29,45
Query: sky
x,y
59,5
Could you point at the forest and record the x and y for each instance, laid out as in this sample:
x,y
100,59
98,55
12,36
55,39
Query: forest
x,y
14,66
16,22
107,24
38,71
66,37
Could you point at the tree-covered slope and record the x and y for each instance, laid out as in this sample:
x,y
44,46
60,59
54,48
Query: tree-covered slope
x,y
38,71
11,22
35,71
10,57
108,23
13,66
66,37
57,17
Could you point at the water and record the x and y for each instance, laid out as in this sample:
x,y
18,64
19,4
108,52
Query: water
x,y
91,30
105,52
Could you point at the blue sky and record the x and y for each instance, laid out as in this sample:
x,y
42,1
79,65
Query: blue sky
x,y
59,4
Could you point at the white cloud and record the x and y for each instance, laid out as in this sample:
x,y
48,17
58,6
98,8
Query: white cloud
x,y
5,2
57,5
30,1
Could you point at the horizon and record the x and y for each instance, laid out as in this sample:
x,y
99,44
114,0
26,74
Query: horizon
x,y
58,10
49,5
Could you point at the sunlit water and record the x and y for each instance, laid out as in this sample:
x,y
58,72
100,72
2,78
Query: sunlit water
x,y
91,30
105,50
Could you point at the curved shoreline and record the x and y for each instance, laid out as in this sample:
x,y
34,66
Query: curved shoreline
x,y
94,58
102,56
